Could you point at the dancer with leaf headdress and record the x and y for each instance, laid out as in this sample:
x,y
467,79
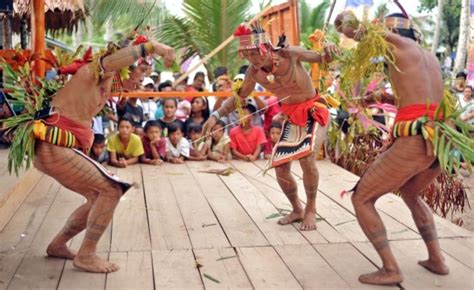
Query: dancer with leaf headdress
x,y
54,131
280,70
423,124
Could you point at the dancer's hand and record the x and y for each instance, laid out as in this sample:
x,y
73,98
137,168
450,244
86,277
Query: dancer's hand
x,y
208,125
164,51
331,48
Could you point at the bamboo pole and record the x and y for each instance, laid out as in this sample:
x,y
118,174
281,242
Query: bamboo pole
x,y
217,49
38,24
145,95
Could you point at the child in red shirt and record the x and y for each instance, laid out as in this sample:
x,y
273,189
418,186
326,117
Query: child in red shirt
x,y
275,132
246,141
154,145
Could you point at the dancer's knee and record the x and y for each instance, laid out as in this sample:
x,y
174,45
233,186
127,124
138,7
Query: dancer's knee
x,y
360,198
113,191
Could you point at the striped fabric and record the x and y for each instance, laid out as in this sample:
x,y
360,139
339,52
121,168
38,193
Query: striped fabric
x,y
407,128
54,135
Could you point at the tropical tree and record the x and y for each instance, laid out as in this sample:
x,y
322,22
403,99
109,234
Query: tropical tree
x,y
461,51
451,19
311,19
206,24
381,11
439,20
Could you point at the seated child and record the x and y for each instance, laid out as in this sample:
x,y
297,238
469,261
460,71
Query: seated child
x,y
177,147
220,143
154,145
246,141
124,147
197,145
169,109
275,132
98,152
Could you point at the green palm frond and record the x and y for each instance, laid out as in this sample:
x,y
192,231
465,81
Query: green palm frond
x,y
131,12
31,94
206,25
311,19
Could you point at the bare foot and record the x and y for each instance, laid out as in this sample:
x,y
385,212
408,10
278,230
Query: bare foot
x,y
309,221
294,216
439,268
94,264
382,277
60,251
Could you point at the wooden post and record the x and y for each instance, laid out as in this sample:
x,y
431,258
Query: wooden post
x,y
295,21
38,31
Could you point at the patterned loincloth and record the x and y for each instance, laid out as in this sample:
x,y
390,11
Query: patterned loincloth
x,y
295,142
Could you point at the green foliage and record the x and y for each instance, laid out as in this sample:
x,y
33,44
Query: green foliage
x,y
206,25
130,13
311,19
32,95
451,19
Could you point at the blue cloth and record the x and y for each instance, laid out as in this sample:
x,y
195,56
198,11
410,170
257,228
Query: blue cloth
x,y
357,3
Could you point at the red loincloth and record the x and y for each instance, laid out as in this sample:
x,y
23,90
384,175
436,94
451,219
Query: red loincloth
x,y
298,113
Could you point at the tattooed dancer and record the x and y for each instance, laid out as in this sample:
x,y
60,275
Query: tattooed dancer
x,y
408,165
280,71
70,116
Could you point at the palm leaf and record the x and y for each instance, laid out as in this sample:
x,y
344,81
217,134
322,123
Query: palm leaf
x,y
207,23
134,11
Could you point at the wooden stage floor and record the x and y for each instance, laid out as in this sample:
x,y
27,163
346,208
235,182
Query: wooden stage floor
x,y
182,228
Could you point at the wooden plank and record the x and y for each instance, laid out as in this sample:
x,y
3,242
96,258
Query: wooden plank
x,y
75,279
266,269
408,253
36,270
458,249
336,180
136,271
236,223
167,228
175,269
269,187
348,263
13,192
202,225
341,224
223,265
130,219
18,235
325,229
389,204
259,208
309,268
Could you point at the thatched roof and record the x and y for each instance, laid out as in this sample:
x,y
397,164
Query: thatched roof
x,y
59,14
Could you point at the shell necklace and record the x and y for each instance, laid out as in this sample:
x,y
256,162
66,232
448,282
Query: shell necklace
x,y
275,65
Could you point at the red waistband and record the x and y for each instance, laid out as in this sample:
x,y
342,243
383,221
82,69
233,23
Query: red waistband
x,y
298,113
83,134
413,112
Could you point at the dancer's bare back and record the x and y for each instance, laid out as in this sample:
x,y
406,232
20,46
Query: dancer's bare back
x,y
417,78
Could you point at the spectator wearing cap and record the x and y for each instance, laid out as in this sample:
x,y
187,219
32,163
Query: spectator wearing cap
x,y
149,105
156,77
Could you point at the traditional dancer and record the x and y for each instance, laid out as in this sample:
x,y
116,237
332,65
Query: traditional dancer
x,y
64,127
279,70
409,165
